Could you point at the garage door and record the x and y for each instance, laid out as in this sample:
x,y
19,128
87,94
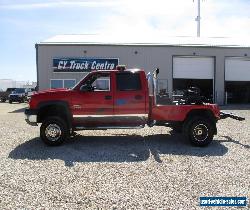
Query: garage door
x,y
194,72
193,67
237,69
237,76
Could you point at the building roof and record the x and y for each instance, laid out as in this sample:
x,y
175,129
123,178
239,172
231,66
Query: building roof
x,y
154,40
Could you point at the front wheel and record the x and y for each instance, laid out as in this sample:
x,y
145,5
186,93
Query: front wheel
x,y
199,131
54,131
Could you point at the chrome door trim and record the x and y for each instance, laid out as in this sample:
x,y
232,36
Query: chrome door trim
x,y
112,115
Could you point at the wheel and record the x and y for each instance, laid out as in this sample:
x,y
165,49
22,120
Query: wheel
x,y
54,131
199,131
10,101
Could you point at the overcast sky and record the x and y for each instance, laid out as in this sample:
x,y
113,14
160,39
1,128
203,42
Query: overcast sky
x,y
24,23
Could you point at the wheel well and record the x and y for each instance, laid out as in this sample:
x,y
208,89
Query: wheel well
x,y
52,110
201,113
208,114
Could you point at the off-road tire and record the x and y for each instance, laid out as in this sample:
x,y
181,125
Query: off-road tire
x,y
199,131
54,126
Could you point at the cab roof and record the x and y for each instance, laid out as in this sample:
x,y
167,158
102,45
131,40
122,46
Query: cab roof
x,y
116,70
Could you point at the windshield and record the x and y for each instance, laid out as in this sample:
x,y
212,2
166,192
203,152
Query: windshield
x,y
79,82
19,90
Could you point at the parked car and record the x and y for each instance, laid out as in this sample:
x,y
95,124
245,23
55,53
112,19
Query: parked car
x,y
18,95
4,95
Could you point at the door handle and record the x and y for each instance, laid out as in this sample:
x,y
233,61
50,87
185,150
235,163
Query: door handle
x,y
108,97
138,97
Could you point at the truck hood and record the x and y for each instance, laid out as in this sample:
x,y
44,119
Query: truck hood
x,y
52,90
57,91
61,94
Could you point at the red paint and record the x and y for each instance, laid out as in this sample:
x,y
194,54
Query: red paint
x,y
179,113
119,102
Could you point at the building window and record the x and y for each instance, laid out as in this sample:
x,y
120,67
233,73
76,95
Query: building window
x,y
56,83
69,83
60,83
99,82
128,81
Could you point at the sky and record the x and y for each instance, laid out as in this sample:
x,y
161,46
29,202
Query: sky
x,y
23,23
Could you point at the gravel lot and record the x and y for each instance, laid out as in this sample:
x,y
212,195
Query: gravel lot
x,y
117,169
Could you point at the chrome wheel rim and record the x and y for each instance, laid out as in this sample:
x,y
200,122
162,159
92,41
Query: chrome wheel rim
x,y
200,132
53,132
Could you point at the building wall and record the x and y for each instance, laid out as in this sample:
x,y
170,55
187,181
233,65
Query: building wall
x,y
147,57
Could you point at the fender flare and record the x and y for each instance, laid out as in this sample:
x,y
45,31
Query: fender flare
x,y
60,103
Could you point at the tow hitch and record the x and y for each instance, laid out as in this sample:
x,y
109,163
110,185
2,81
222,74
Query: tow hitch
x,y
224,115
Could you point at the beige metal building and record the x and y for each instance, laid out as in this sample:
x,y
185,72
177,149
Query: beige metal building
x,y
220,67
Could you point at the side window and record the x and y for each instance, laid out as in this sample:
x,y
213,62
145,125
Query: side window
x,y
128,81
56,83
102,83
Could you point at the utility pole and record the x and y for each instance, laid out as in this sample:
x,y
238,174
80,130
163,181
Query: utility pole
x,y
198,19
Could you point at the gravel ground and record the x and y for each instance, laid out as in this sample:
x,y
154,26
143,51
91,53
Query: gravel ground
x,y
120,169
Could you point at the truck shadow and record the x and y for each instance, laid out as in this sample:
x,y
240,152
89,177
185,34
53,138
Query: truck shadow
x,y
122,148
21,110
229,139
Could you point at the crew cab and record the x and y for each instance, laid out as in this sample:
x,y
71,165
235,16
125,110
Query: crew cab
x,y
112,99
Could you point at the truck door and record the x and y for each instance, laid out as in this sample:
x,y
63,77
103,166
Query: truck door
x,y
129,97
93,102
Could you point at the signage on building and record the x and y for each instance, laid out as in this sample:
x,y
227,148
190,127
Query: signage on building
x,y
84,64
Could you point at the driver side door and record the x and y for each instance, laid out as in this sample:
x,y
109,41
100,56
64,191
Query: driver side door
x,y
94,107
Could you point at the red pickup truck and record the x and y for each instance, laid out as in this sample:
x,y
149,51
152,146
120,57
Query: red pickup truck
x,y
121,98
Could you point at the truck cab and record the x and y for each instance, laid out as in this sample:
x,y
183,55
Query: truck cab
x,y
121,98
110,98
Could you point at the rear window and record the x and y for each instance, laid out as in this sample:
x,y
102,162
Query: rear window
x,y
128,81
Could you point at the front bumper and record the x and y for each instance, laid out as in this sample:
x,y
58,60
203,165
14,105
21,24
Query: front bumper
x,y
16,98
31,117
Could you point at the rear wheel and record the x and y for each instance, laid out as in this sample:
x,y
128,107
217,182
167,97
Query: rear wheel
x,y
54,131
199,131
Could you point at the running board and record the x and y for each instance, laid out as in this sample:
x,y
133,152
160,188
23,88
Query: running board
x,y
109,127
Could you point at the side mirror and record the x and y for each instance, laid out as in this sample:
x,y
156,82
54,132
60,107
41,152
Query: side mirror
x,y
85,88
